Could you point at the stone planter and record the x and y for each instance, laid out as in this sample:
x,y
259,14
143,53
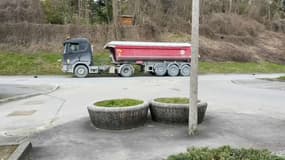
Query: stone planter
x,y
118,118
175,113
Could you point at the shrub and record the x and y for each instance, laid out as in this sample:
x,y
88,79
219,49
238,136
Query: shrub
x,y
173,100
119,103
225,153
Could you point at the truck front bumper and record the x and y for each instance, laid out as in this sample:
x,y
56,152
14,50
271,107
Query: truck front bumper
x,y
67,69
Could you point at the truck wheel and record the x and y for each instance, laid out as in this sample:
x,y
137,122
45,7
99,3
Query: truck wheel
x,y
160,69
126,70
81,71
173,70
185,70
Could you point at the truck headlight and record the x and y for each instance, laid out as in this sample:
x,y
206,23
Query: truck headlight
x,y
68,61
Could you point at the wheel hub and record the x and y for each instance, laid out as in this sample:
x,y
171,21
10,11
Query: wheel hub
x,y
81,71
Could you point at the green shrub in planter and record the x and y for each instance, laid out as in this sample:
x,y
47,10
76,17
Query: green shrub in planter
x,y
225,153
173,100
119,103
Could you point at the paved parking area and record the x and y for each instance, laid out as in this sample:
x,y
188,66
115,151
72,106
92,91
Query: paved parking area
x,y
12,90
240,113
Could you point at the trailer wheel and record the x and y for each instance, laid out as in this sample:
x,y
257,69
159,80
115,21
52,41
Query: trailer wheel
x,y
185,70
126,70
160,69
173,70
81,71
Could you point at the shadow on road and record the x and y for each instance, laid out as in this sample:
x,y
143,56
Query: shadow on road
x,y
80,140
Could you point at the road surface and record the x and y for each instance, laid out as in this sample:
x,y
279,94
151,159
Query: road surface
x,y
243,111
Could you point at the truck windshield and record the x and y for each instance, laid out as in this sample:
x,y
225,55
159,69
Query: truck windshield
x,y
75,47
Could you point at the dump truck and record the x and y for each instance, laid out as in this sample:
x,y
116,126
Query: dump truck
x,y
157,58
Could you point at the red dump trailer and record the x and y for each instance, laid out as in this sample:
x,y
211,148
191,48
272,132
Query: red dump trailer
x,y
159,58
149,51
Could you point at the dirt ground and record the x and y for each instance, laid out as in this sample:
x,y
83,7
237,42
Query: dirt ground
x,y
6,151
267,46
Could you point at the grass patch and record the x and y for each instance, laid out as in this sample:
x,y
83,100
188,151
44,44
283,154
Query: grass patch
x,y
173,100
47,63
225,153
38,63
281,78
29,64
237,67
119,103
102,58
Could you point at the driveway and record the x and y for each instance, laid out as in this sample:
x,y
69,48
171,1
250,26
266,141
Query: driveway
x,y
243,111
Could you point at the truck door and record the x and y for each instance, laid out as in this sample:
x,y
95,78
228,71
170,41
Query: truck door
x,y
76,52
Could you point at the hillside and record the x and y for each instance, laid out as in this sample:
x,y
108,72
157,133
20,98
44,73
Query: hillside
x,y
244,31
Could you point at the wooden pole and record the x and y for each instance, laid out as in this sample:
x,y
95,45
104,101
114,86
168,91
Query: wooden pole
x,y
193,108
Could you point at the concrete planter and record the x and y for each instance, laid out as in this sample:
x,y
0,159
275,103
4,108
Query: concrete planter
x,y
118,118
175,113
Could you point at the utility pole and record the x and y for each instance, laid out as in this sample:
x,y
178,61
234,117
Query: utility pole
x,y
193,108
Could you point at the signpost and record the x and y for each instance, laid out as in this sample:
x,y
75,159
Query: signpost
x,y
193,108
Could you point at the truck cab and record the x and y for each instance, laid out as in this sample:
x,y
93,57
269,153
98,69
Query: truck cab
x,y
77,57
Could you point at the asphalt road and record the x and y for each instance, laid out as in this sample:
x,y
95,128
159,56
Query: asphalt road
x,y
12,90
243,111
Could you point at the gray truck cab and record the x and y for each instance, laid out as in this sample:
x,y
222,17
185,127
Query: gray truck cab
x,y
77,57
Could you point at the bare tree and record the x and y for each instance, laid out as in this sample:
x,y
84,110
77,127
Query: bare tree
x,y
230,6
115,18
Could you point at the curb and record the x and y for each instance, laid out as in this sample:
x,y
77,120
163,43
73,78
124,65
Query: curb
x,y
22,151
280,153
5,100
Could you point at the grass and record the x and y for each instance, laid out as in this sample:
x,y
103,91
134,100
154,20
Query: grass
x,y
38,63
281,78
237,67
47,64
173,100
102,59
119,103
29,64
225,153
